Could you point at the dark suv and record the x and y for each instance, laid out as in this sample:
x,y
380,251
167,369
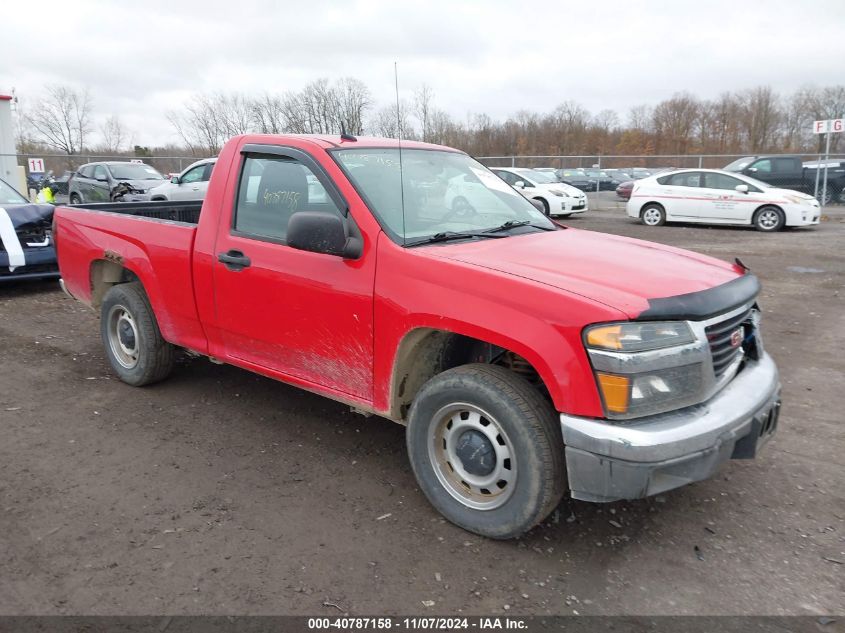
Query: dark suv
x,y
111,181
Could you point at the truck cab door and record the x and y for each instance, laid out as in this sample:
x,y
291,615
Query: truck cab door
x,y
301,316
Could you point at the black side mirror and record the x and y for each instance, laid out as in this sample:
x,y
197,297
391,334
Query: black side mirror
x,y
322,232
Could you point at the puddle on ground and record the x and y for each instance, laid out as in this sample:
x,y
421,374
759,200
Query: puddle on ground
x,y
802,269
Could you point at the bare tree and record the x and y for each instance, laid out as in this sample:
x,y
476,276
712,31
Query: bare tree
x,y
353,102
392,123
761,117
268,114
423,105
208,121
62,119
113,134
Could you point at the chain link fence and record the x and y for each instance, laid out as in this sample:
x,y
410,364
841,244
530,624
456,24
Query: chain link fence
x,y
606,172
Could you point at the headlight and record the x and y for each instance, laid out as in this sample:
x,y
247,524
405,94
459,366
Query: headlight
x,y
637,337
646,368
559,193
797,200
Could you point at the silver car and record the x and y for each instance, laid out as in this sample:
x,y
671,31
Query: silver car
x,y
191,184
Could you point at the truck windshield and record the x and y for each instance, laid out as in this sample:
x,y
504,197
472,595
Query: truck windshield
x,y
739,164
134,171
10,196
434,192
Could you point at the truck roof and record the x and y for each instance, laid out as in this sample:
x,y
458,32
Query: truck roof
x,y
329,141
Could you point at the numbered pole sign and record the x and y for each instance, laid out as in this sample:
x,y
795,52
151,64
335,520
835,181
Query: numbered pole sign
x,y
36,165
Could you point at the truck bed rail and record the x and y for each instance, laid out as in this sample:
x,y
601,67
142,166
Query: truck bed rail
x,y
187,211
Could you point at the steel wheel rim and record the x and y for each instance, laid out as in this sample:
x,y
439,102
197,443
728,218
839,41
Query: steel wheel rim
x,y
123,336
651,216
768,219
476,491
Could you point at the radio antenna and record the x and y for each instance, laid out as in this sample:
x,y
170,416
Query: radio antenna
x,y
399,133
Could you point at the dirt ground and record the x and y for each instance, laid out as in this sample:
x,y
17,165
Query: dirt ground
x,y
222,492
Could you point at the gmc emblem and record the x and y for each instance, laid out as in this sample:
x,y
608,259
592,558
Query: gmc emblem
x,y
736,337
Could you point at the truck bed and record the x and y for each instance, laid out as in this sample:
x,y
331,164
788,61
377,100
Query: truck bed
x,y
187,211
152,240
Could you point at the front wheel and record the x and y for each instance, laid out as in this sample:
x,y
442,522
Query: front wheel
x,y
487,450
134,345
75,199
769,219
545,204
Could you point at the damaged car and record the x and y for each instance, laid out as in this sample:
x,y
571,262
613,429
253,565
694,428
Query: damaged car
x,y
27,250
113,181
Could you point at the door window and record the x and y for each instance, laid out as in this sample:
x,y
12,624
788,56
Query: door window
x,y
194,175
723,181
684,179
786,164
506,176
100,173
271,190
763,166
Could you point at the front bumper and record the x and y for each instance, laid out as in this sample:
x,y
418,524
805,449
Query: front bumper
x,y
40,264
608,461
803,215
571,205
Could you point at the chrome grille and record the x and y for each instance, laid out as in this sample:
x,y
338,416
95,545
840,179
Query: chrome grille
x,y
726,340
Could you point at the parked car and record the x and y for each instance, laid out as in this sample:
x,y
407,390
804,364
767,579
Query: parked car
x,y
557,198
575,178
191,184
624,189
112,181
522,356
714,196
26,242
789,172
601,180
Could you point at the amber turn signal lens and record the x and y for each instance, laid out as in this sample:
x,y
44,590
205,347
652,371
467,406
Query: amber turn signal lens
x,y
616,391
605,337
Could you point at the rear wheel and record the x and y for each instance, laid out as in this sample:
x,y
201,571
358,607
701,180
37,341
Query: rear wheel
x,y
486,449
769,219
134,345
653,215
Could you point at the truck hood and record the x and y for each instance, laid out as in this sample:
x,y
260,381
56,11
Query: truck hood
x,y
619,272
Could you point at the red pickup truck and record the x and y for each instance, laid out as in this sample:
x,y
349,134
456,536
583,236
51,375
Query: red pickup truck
x,y
525,357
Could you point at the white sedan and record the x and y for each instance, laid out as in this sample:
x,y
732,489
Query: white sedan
x,y
559,199
191,184
713,196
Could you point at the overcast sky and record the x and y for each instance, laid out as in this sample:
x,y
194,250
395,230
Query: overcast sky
x,y
141,59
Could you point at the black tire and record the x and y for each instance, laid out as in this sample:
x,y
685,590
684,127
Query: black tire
x,y
527,430
545,205
828,198
75,199
564,215
769,219
653,214
127,325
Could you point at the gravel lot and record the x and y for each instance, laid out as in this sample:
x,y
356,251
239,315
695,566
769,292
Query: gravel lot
x,y
222,492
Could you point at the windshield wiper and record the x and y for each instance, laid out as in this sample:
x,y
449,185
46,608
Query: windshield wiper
x,y
445,236
512,224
